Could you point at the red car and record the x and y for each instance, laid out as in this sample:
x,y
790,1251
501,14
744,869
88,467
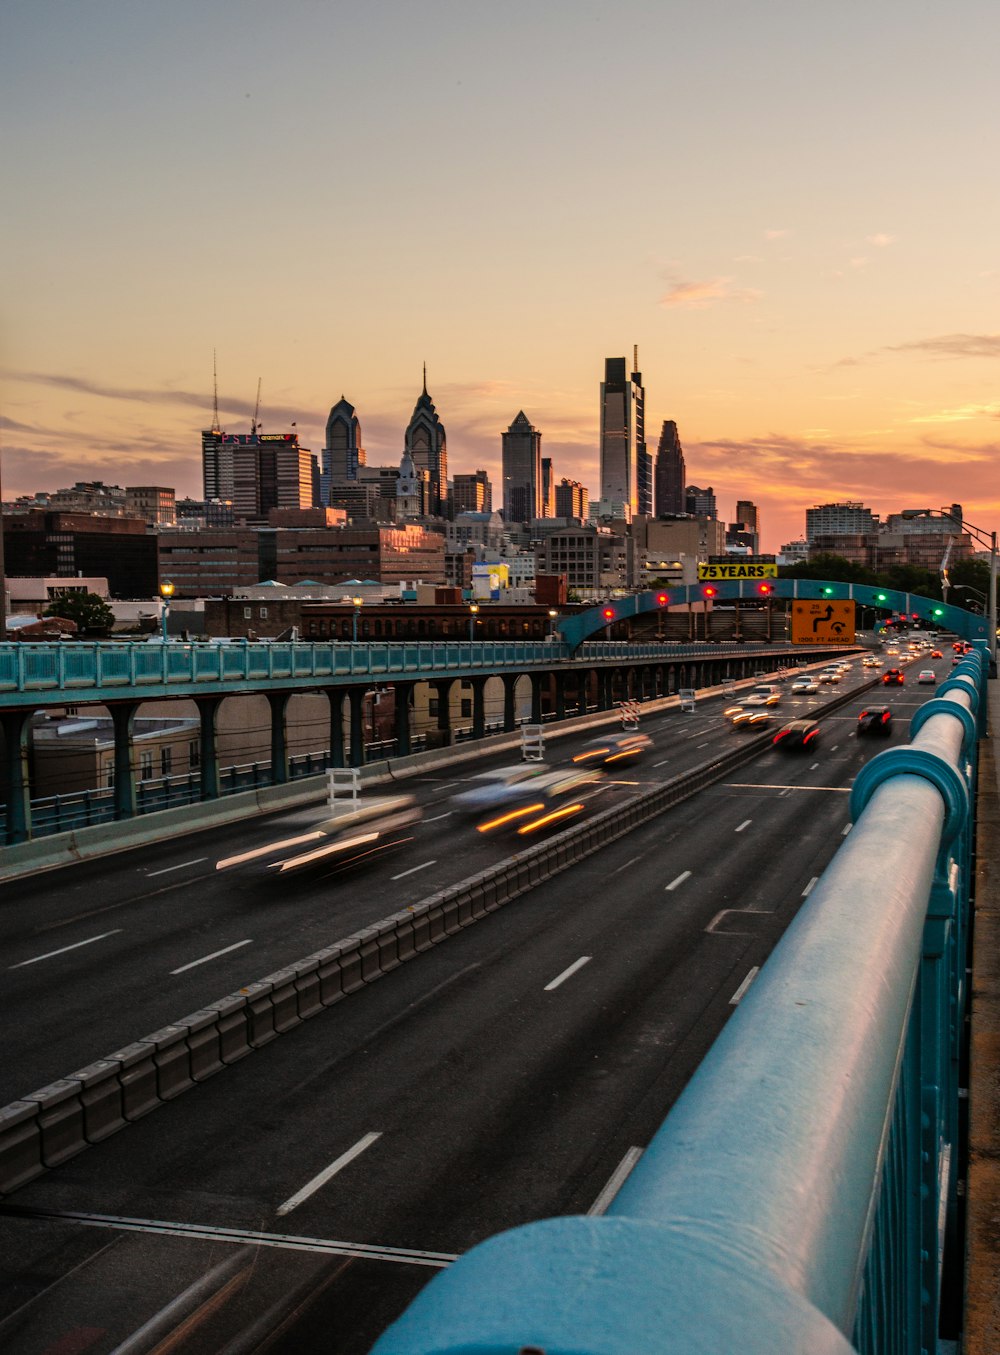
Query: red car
x,y
892,676
936,654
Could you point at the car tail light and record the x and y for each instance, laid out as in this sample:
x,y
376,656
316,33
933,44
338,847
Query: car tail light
x,y
781,734
811,735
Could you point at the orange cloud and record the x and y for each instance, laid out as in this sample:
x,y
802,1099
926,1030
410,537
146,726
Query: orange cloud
x,y
698,294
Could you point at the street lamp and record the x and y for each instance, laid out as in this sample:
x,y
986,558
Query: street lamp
x,y
985,539
968,588
166,593
357,612
473,610
553,617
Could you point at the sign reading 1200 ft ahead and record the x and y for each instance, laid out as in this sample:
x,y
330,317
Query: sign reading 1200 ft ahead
x,y
723,573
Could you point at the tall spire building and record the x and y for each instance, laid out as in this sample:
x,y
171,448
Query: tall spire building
x,y
521,452
427,444
621,422
343,454
670,472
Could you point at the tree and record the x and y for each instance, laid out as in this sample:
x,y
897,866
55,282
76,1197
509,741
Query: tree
x,y
827,566
91,613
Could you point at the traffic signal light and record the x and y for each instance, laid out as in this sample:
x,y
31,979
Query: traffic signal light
x,y
764,588
662,599
709,592
609,613
880,597
828,592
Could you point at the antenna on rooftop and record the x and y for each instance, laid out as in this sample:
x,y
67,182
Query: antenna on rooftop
x,y
256,410
215,402
635,357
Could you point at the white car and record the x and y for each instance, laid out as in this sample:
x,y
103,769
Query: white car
x,y
831,675
806,684
765,695
927,675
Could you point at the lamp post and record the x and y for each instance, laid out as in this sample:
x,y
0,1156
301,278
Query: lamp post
x,y
553,618
968,588
166,593
985,539
473,611
357,612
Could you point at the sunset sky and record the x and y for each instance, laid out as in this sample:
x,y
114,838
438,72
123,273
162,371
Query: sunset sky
x,y
791,207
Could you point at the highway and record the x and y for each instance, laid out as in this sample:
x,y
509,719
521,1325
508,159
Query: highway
x,y
503,1076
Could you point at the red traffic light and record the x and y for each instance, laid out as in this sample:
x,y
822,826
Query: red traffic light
x,y
763,588
609,613
709,592
662,599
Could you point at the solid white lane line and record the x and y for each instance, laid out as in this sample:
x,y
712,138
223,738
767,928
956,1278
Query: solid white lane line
x,y
214,956
615,1181
734,1000
440,816
679,881
413,869
183,866
567,973
62,951
745,824
327,1173
810,887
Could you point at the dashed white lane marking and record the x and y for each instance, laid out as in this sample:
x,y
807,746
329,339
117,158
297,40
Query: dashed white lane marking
x,y
413,869
440,816
327,1173
810,887
741,990
63,949
567,973
615,1181
685,875
628,863
183,866
214,956
846,829
661,764
740,826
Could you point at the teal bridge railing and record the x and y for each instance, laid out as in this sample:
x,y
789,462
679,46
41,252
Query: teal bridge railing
x,y
801,1194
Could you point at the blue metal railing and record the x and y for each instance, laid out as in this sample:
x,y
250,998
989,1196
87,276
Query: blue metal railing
x,y
801,1191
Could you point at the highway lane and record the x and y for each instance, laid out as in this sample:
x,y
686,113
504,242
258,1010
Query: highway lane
x,y
105,952
502,1077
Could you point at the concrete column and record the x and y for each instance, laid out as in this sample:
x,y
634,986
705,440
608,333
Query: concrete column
x,y
15,725
478,707
509,702
443,688
208,707
278,702
123,718
536,696
560,696
335,696
357,700
404,691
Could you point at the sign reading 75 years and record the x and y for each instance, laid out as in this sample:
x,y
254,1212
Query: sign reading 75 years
x,y
824,620
720,573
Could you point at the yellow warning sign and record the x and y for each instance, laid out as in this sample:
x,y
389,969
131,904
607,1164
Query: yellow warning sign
x,y
824,620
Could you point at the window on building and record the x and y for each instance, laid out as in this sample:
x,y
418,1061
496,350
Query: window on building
x,y
109,773
165,760
263,613
247,613
146,765
466,709
433,706
194,754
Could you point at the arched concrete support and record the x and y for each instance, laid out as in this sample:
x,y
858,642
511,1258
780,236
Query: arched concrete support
x,y
278,702
478,707
123,718
208,707
335,696
509,702
404,693
443,688
356,696
536,696
15,724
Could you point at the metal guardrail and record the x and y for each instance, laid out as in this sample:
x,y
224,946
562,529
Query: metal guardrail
x,y
800,1194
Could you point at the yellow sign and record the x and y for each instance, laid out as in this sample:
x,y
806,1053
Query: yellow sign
x,y
724,573
824,620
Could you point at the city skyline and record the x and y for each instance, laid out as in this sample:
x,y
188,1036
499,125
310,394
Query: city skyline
x,y
786,211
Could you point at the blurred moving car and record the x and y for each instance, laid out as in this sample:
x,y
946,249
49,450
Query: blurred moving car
x,y
871,662
527,804
927,675
498,786
936,654
755,717
798,734
764,695
875,720
614,749
830,675
893,677
805,684
350,835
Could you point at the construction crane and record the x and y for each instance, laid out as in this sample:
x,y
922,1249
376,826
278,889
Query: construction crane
x,y
256,410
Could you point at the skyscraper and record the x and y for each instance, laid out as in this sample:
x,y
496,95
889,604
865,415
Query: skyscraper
x,y
269,470
548,489
621,418
670,474
701,502
522,471
748,514
343,454
644,459
427,443
472,493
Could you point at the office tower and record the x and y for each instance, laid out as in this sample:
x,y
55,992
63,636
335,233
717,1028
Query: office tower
x,y
701,502
521,448
572,500
472,493
748,517
216,465
548,489
427,443
270,470
620,418
343,454
670,480
643,457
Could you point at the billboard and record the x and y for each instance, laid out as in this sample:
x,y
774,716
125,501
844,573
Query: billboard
x,y
743,570
823,619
